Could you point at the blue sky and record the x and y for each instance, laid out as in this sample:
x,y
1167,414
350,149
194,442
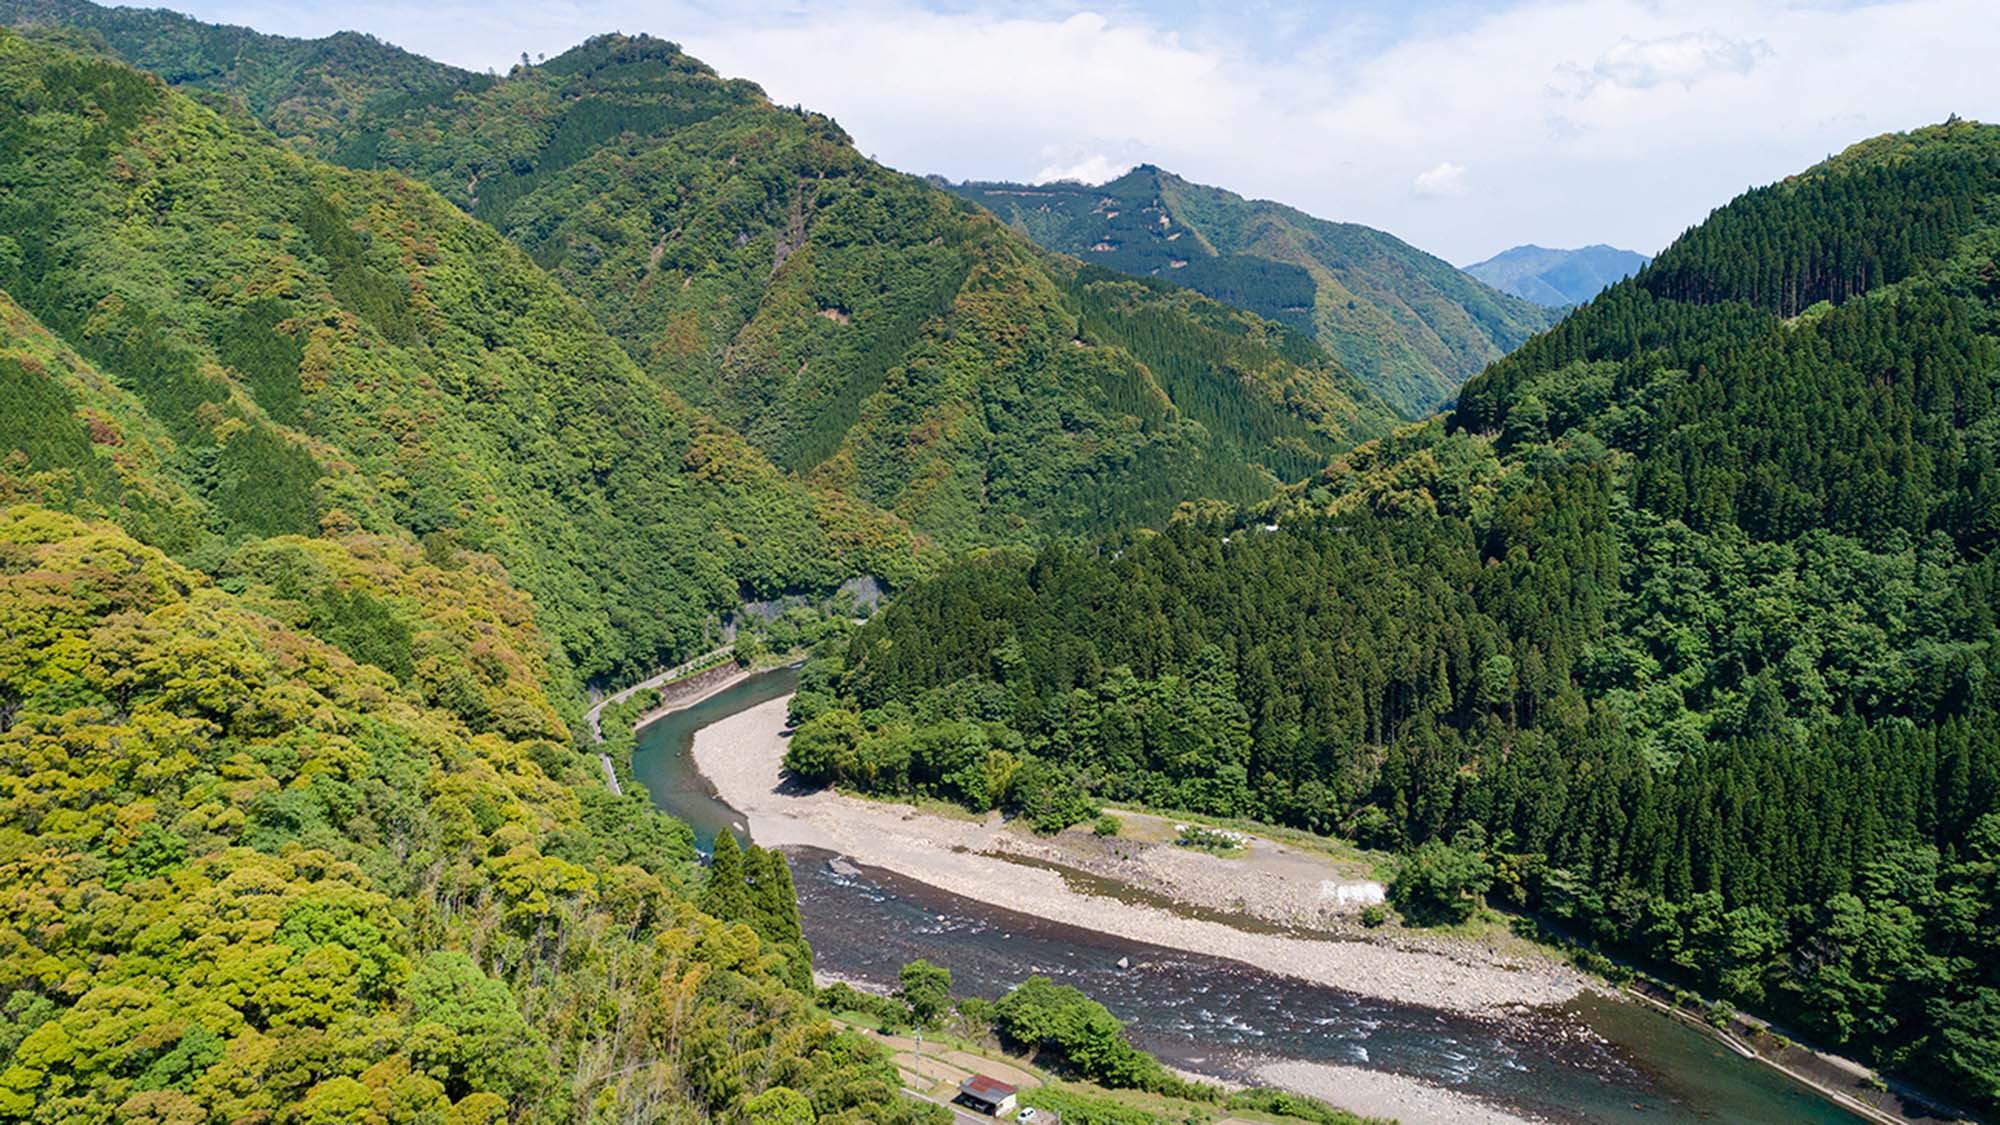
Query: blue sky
x,y
1464,128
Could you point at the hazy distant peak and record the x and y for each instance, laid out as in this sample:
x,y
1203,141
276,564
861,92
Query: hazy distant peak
x,y
1556,277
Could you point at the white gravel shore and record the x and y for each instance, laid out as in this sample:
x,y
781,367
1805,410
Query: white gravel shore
x,y
1376,1093
742,756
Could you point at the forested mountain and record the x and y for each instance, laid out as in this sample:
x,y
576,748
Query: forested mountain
x,y
322,350
1679,631
864,330
1406,323
291,827
313,92
1557,277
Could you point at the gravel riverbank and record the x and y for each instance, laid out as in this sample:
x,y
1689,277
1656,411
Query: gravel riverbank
x,y
742,756
1375,1093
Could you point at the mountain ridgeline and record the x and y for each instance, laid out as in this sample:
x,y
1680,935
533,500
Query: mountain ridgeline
x,y
1557,277
1404,322
865,331
1681,631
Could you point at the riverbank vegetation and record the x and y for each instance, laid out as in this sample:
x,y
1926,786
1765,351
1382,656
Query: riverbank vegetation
x,y
1680,630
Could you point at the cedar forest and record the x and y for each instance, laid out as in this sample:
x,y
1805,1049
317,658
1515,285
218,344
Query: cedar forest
x,y
360,415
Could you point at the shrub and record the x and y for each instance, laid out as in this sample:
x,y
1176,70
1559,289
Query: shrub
x,y
1441,883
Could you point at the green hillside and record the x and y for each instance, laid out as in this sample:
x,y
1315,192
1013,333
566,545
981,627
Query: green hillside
x,y
1681,631
316,93
316,496
318,350
863,329
251,878
1407,324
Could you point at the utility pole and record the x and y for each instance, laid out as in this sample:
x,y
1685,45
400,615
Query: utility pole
x,y
920,1059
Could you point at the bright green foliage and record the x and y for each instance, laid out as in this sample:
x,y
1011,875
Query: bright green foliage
x,y
1079,1108
467,1032
338,350
863,329
779,1105
1440,882
1085,1109
251,878
1082,1035
975,764
1681,629
754,886
926,988
1408,325
727,894
1287,1104
841,997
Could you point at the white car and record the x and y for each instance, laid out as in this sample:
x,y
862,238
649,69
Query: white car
x,y
1027,1114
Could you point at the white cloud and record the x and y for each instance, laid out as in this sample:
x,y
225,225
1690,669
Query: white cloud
x,y
1619,121
1686,58
1096,168
1444,181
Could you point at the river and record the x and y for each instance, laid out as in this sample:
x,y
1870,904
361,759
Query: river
x,y
1594,1059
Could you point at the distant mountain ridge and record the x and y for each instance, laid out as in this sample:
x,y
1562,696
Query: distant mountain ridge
x,y
1557,278
1407,324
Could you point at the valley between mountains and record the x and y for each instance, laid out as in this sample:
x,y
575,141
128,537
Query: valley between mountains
x,y
1053,575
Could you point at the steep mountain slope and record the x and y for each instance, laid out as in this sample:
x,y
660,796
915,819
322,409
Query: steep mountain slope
x,y
1682,629
863,329
1407,324
290,823
319,349
1557,277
